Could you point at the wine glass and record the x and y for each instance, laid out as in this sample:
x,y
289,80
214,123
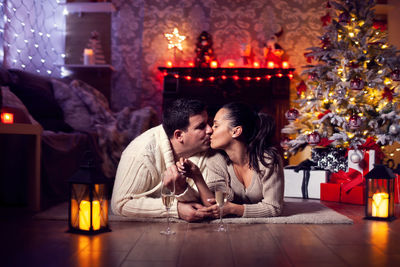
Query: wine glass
x,y
167,196
221,195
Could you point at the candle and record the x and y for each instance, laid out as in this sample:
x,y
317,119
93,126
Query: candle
x,y
88,56
7,117
84,215
380,204
270,65
214,64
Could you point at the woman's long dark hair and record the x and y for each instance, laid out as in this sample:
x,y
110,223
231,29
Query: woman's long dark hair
x,y
257,133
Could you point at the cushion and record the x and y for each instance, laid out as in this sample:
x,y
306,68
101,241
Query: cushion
x,y
36,93
11,103
75,112
4,76
95,102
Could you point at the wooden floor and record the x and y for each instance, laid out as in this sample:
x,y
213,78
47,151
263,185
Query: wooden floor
x,y
29,242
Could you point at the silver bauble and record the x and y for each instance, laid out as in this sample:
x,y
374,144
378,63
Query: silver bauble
x,y
356,157
394,129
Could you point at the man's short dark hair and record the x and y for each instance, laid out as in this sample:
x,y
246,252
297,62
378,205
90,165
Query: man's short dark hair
x,y
176,115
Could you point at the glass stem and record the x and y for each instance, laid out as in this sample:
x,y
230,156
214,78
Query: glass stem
x,y
220,215
168,229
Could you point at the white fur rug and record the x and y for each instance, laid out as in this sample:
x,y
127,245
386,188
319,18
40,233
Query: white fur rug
x,y
300,211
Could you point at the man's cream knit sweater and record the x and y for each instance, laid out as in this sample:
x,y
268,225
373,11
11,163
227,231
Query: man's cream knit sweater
x,y
137,184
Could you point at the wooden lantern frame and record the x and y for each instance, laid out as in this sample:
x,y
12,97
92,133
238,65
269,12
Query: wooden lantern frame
x,y
88,201
380,183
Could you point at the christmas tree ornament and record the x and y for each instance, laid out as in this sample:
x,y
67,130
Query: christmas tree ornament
x,y
313,138
356,84
313,76
388,93
326,19
395,75
356,157
285,143
355,122
292,114
175,41
394,129
302,87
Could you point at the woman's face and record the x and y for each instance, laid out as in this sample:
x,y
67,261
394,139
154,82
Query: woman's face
x,y
222,132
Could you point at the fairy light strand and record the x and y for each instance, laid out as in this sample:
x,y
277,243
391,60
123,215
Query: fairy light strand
x,y
32,35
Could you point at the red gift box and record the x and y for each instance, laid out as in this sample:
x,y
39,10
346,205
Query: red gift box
x,y
335,192
330,192
356,195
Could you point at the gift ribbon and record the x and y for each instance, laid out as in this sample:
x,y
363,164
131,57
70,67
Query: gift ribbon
x,y
305,166
348,180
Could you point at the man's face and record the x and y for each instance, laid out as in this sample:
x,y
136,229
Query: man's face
x,y
197,136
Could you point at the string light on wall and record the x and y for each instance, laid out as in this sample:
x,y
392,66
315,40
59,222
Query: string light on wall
x,y
32,35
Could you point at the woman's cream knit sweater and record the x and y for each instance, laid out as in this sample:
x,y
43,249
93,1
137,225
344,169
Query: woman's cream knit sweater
x,y
263,197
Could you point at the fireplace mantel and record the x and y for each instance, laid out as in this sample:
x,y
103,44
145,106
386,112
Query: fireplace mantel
x,y
267,90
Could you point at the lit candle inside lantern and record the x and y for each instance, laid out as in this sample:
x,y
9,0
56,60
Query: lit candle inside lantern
x,y
84,215
256,64
88,56
214,64
169,64
270,64
7,117
380,204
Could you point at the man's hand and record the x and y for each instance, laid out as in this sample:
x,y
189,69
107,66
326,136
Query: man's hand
x,y
191,212
171,175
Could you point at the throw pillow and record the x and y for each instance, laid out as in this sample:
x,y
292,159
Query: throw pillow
x,y
36,93
75,111
95,102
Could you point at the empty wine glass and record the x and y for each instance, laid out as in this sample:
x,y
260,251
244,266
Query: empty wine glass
x,y
167,196
221,195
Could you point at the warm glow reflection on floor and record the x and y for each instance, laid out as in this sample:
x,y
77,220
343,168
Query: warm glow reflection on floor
x,y
89,251
379,233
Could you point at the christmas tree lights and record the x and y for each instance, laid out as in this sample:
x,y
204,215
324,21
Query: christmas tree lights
x,y
352,91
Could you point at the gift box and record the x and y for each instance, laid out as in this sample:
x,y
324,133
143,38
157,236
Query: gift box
x,y
361,160
303,183
335,192
328,158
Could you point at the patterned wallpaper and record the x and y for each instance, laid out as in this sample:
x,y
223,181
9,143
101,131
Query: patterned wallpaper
x,y
139,45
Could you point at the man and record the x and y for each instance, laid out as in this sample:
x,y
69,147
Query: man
x,y
184,133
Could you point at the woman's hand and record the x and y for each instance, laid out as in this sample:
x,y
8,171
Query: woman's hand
x,y
229,208
188,168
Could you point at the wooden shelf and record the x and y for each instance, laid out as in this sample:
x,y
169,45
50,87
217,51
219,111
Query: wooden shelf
x,y
81,66
90,7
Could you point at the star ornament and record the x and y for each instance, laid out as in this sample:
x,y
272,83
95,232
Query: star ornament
x,y
175,39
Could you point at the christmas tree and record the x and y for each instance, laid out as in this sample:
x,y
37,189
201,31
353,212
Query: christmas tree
x,y
204,50
351,95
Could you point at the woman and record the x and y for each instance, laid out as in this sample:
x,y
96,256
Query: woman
x,y
252,167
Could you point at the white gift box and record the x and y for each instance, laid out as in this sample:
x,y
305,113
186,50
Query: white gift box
x,y
366,160
294,182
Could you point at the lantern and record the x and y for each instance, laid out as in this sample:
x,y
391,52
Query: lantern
x,y
88,202
380,193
